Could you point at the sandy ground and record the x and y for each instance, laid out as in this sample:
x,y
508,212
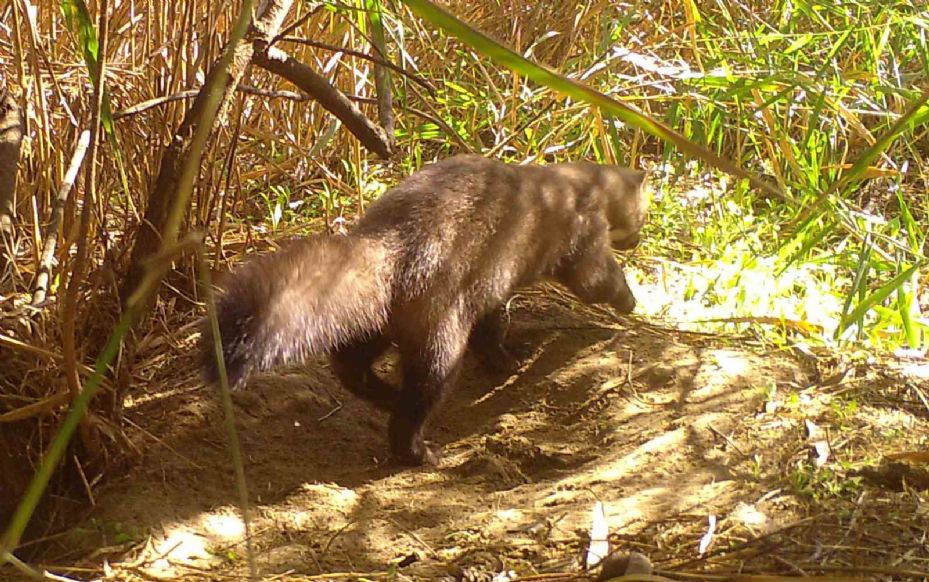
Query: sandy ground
x,y
669,430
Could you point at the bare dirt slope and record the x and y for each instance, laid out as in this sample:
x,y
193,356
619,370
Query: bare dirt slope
x,y
665,428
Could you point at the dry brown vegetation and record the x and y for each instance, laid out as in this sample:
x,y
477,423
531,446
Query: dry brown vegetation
x,y
665,426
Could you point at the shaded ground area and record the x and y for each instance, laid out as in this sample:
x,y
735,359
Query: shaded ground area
x,y
666,428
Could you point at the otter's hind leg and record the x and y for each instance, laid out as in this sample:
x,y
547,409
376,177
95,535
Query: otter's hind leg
x,y
431,354
352,364
487,343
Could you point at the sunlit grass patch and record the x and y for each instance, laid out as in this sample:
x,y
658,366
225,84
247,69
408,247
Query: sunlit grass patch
x,y
714,262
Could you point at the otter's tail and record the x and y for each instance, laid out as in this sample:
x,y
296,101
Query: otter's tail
x,y
308,298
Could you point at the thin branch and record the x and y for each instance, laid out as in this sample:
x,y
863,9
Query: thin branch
x,y
273,94
191,93
152,103
51,239
280,63
297,24
385,99
363,55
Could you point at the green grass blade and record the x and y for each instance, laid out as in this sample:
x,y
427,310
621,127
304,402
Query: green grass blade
x,y
804,239
858,283
903,123
909,222
59,445
235,449
382,83
905,307
557,82
919,118
78,19
882,143
879,296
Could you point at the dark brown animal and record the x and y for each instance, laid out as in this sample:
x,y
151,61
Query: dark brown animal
x,y
427,266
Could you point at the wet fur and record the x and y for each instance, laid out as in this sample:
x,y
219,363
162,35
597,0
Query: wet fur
x,y
427,267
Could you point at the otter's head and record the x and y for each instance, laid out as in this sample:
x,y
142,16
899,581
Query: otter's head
x,y
627,198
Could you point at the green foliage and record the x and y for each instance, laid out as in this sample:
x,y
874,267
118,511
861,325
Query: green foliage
x,y
78,19
107,532
276,200
821,97
821,483
568,87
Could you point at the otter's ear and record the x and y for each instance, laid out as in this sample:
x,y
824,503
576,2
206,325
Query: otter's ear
x,y
636,177
637,185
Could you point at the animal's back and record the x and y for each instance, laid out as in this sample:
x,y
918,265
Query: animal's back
x,y
473,227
